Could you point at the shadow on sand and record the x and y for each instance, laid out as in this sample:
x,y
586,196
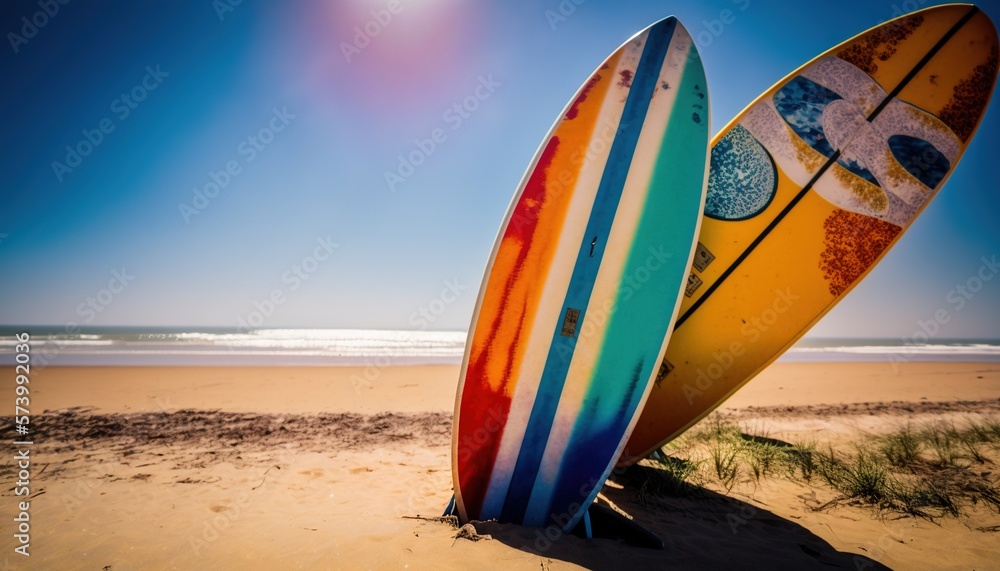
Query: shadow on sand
x,y
700,529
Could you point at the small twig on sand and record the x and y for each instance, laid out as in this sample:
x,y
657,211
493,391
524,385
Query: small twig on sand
x,y
453,520
265,477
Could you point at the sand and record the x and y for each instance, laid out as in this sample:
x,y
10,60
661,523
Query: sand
x,y
326,468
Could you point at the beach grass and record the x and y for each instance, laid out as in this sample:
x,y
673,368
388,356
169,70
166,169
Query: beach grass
x,y
672,477
931,470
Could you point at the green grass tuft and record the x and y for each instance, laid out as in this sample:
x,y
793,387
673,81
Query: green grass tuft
x,y
676,475
901,449
803,457
864,478
725,460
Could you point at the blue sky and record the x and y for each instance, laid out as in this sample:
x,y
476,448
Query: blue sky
x,y
308,118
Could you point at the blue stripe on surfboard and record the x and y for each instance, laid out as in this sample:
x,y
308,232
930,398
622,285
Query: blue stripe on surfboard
x,y
585,271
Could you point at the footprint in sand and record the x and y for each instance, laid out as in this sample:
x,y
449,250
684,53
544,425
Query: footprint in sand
x,y
312,474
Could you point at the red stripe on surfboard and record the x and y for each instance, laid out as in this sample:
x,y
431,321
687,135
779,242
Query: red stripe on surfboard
x,y
484,409
571,114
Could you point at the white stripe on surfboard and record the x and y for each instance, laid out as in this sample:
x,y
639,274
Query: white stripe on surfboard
x,y
553,291
609,279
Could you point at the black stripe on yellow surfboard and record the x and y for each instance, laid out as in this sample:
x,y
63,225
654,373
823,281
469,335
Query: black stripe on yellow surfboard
x,y
830,162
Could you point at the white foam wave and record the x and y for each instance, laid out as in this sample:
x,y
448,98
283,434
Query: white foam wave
x,y
359,346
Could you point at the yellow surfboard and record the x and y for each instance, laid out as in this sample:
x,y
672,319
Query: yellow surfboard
x,y
809,187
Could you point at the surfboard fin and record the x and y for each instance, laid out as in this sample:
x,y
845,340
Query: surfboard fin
x,y
452,509
602,522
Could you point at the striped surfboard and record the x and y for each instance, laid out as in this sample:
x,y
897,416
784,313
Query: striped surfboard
x,y
582,287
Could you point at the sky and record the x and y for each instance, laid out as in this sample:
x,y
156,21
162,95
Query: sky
x,y
225,163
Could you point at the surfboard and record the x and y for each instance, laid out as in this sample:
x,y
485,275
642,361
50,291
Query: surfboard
x,y
582,287
809,187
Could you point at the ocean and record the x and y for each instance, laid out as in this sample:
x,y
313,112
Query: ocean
x,y
123,346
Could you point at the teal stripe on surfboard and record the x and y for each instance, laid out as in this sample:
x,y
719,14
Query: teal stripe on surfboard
x,y
646,305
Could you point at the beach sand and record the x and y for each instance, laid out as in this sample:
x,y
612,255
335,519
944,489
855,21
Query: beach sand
x,y
328,467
